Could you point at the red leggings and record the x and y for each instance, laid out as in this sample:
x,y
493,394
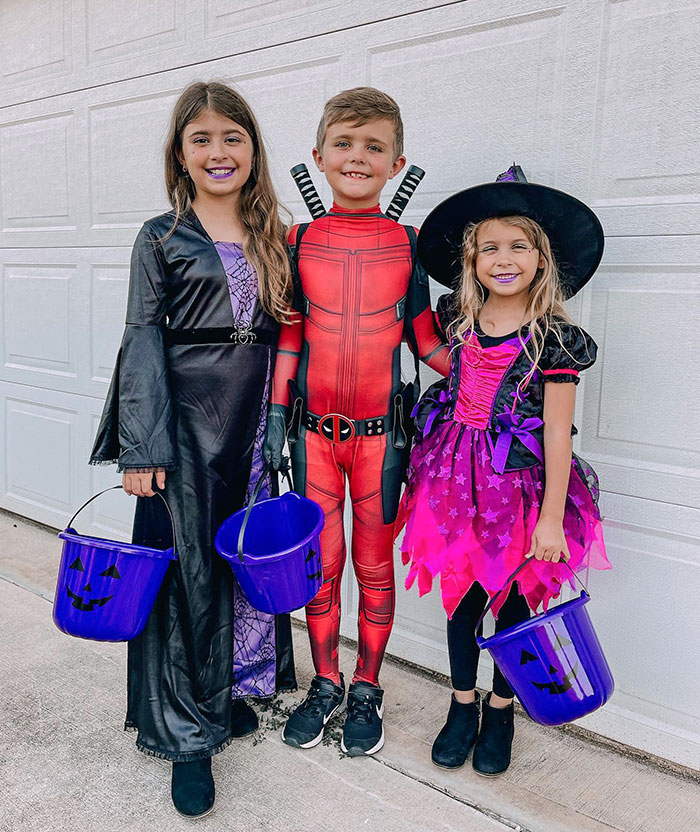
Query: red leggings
x,y
327,466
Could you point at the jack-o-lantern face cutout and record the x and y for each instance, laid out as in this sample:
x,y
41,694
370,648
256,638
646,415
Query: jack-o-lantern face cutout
x,y
314,575
79,601
554,687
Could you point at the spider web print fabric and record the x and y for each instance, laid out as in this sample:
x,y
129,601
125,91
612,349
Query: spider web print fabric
x,y
242,282
254,651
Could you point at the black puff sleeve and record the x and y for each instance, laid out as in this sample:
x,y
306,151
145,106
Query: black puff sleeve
x,y
565,357
446,313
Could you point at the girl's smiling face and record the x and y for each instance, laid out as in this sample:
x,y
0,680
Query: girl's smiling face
x,y
218,155
506,260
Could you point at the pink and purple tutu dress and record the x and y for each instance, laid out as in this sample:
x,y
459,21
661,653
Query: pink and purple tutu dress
x,y
476,472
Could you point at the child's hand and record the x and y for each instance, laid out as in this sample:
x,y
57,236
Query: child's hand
x,y
141,485
548,541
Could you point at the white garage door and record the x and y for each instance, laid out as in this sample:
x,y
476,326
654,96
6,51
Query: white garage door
x,y
597,97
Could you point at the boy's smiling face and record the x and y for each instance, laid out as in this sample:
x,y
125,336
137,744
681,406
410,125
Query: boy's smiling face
x,y
357,161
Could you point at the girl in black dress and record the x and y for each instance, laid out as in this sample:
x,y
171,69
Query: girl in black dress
x,y
185,414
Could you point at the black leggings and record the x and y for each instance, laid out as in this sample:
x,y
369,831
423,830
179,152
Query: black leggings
x,y
461,638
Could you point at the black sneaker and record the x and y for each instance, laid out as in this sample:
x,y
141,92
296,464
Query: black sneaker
x,y
363,732
305,727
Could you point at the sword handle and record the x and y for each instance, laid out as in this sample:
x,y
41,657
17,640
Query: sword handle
x,y
307,189
404,192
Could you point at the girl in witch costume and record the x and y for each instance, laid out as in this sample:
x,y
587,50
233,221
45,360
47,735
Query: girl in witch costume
x,y
209,284
492,477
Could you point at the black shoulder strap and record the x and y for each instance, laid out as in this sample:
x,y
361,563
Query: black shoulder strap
x,y
408,323
301,230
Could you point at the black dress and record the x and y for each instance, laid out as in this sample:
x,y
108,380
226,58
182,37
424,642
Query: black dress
x,y
192,409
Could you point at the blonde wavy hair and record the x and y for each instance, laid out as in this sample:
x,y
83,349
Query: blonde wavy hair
x,y
258,209
545,311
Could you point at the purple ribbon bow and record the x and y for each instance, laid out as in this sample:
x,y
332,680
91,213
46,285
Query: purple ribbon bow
x,y
439,405
512,427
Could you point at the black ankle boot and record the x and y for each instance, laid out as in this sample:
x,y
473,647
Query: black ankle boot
x,y
492,750
458,734
193,788
244,720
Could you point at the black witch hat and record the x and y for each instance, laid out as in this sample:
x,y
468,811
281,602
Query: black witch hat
x,y
574,231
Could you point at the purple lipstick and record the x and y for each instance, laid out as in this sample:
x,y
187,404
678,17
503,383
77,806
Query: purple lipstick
x,y
221,173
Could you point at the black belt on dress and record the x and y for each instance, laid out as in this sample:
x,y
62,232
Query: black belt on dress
x,y
240,335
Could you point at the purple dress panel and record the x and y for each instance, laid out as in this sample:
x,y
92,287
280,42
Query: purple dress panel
x,y
254,651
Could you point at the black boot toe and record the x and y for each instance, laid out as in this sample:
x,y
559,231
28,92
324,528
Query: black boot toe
x,y
453,743
193,788
244,720
492,750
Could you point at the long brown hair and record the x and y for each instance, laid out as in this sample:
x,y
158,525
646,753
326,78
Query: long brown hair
x,y
258,208
545,310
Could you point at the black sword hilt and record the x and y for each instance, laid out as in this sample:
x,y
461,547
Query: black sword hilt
x,y
307,189
404,192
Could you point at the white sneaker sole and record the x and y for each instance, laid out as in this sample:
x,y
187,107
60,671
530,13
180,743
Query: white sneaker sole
x,y
358,752
317,739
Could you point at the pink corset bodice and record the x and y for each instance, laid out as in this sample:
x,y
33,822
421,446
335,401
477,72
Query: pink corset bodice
x,y
481,372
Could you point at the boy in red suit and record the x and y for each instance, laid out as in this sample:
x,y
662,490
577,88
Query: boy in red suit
x,y
360,292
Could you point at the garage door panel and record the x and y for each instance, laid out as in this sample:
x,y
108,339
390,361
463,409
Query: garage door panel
x,y
122,29
62,314
108,297
37,159
41,329
87,44
646,144
36,44
40,443
443,79
648,321
125,161
222,18
112,514
291,97
648,591
44,471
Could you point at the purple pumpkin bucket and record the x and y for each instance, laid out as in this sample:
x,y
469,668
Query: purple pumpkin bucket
x,y
106,589
553,661
274,550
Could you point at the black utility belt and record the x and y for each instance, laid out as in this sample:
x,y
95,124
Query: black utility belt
x,y
338,428
241,335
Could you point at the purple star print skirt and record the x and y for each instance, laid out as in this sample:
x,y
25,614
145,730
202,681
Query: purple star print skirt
x,y
466,523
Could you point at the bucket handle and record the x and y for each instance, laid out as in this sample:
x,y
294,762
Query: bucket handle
x,y
114,488
254,497
522,566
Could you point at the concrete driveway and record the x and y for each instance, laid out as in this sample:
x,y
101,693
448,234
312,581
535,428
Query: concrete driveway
x,y
66,764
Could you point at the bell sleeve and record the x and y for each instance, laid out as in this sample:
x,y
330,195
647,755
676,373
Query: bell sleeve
x,y
137,429
563,360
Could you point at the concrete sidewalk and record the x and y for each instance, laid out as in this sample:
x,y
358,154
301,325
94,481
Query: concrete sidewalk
x,y
65,763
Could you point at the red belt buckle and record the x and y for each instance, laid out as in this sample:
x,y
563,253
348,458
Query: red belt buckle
x,y
334,428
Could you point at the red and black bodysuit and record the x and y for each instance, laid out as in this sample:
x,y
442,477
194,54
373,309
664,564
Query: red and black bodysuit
x,y
360,292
